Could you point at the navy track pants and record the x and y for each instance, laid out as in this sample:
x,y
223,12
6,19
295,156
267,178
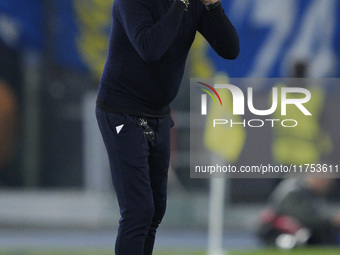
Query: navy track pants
x,y
139,170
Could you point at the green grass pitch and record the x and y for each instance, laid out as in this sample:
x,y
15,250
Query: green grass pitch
x,y
309,251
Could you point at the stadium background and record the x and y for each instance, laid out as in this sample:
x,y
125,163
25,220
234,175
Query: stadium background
x,y
53,170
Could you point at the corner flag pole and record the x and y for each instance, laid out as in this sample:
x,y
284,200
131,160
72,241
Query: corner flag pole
x,y
216,211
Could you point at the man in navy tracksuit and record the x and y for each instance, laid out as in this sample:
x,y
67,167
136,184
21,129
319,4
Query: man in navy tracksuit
x,y
149,44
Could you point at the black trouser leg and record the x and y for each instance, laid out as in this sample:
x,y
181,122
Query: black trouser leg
x,y
158,167
139,175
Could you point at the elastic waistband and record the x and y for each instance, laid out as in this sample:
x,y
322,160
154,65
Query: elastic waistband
x,y
117,109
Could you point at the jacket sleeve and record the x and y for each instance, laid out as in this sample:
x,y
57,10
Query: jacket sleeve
x,y
150,39
220,33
